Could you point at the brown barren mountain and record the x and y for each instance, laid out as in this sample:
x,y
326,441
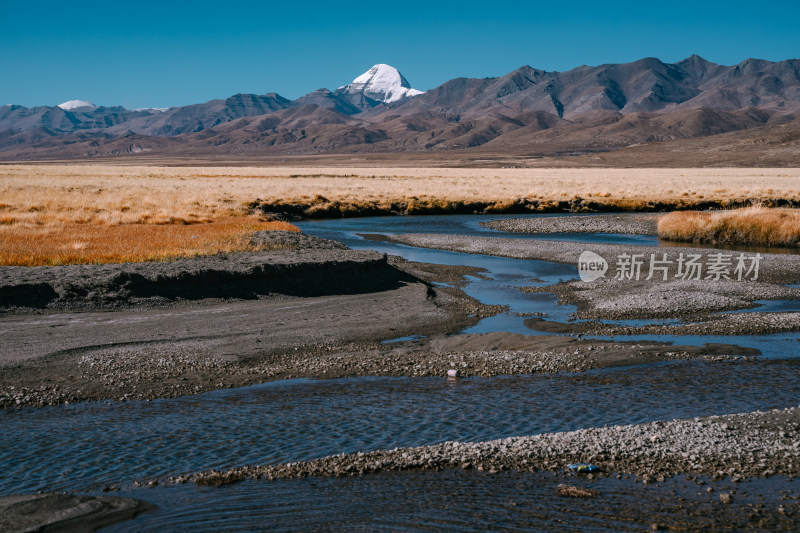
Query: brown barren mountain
x,y
647,107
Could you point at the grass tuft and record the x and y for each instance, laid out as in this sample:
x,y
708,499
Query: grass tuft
x,y
757,226
75,243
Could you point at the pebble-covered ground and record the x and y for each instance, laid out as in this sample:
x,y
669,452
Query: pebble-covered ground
x,y
170,370
634,223
715,324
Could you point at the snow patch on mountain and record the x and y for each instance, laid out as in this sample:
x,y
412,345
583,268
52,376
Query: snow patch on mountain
x,y
383,83
75,104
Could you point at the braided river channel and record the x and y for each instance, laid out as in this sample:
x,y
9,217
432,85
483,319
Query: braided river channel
x,y
84,447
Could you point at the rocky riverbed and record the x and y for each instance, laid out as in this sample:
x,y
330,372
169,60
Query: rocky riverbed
x,y
314,309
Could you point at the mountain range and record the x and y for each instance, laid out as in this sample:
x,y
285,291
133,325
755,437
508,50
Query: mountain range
x,y
526,112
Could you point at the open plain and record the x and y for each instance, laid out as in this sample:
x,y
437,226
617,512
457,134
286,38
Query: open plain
x,y
60,214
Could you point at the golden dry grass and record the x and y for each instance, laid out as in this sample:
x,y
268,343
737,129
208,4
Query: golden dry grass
x,y
71,243
48,211
123,194
751,225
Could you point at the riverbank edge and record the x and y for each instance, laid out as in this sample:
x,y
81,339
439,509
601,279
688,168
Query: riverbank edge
x,y
322,208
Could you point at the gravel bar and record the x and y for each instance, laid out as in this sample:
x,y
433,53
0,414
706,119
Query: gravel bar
x,y
631,223
756,444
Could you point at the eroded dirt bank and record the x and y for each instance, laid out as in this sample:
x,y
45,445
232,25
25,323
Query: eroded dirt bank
x,y
306,266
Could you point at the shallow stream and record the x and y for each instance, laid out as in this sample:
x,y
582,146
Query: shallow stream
x,y
504,277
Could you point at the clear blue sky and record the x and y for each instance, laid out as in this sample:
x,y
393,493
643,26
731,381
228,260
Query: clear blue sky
x,y
158,54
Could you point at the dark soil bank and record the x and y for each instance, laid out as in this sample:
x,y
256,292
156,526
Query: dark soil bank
x,y
320,207
307,267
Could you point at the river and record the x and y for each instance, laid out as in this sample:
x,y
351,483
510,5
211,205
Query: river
x,y
83,447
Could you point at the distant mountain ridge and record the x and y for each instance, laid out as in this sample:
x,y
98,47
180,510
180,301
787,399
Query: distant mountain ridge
x,y
647,85
596,108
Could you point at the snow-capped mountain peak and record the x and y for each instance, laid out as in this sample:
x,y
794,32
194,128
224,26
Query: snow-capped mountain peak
x,y
75,104
383,83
